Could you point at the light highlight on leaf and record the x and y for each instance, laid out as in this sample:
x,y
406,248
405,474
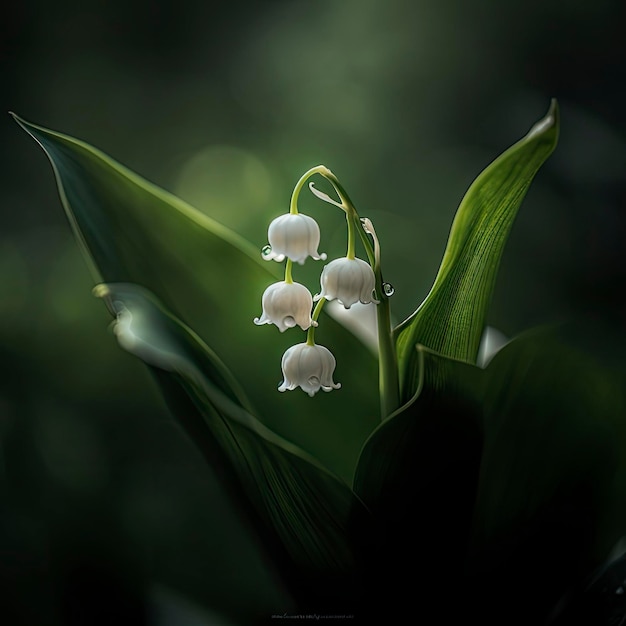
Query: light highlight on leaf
x,y
300,508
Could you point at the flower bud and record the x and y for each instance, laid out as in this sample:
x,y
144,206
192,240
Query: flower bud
x,y
309,367
286,304
348,281
294,236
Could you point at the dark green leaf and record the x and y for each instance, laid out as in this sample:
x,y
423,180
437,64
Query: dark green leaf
x,y
302,513
418,474
551,498
502,488
451,319
132,231
603,600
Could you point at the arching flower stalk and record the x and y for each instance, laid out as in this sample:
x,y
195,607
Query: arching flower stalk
x,y
293,237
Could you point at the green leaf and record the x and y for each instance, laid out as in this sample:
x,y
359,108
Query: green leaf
x,y
550,411
501,483
451,319
418,474
446,388
603,601
550,502
302,513
132,231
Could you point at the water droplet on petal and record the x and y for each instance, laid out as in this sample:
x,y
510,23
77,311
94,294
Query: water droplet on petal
x,y
289,321
266,251
388,289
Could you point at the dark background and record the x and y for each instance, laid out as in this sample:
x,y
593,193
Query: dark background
x,y
226,104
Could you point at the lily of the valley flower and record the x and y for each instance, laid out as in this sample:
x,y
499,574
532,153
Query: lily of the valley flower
x,y
294,236
309,367
348,281
286,305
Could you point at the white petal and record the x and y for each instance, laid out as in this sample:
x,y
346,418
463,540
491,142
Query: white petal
x,y
309,367
323,196
286,305
295,236
349,281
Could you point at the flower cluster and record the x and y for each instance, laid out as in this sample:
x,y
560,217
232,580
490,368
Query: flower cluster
x,y
293,238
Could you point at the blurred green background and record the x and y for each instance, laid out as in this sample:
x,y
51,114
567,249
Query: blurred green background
x,y
226,105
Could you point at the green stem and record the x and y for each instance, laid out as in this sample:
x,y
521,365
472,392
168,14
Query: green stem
x,y
388,376
318,169
310,335
350,216
388,379
341,192
288,278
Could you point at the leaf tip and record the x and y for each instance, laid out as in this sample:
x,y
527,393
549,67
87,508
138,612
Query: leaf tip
x,y
31,129
553,111
22,122
19,121
549,121
554,106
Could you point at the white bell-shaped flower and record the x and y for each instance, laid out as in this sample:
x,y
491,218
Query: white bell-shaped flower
x,y
348,281
308,367
286,305
295,236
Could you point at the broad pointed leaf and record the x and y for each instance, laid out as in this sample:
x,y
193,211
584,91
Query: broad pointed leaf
x,y
418,474
551,497
451,319
132,231
502,487
302,513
